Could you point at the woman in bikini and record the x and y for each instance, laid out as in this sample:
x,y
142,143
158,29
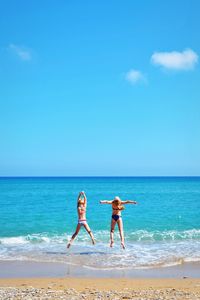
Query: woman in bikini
x,y
81,209
117,207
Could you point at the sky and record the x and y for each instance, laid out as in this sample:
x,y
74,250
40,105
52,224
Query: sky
x,y
99,88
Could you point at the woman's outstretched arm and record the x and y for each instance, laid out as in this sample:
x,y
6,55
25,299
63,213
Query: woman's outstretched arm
x,y
128,202
105,202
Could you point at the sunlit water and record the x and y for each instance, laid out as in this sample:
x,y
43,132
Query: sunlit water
x,y
38,217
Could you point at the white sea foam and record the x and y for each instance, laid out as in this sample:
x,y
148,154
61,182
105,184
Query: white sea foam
x,y
135,236
143,249
14,240
168,235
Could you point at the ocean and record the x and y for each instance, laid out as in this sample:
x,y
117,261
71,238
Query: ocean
x,y
38,216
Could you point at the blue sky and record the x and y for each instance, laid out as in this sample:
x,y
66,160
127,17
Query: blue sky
x,y
99,88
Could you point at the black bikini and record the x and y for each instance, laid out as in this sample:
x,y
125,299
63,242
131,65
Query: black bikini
x,y
116,217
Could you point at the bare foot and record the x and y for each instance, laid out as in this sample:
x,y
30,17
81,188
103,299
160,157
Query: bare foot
x,y
123,246
93,242
111,244
68,245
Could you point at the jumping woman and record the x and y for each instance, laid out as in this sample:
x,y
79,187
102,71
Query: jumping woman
x,y
81,210
117,207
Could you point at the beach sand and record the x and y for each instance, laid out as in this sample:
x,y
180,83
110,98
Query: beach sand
x,y
31,280
99,288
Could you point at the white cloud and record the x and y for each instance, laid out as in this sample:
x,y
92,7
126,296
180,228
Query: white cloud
x,y
23,53
174,60
134,76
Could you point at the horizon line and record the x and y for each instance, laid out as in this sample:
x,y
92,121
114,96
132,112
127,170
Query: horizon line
x,y
97,176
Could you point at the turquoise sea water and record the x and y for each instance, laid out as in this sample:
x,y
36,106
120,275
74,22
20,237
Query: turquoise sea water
x,y
38,216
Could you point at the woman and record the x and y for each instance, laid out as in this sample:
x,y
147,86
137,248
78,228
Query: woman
x,y
117,207
81,209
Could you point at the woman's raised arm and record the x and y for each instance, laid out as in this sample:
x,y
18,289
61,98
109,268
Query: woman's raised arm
x,y
85,198
78,196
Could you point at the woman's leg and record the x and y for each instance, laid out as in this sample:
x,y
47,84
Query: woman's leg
x,y
90,232
112,228
74,235
121,231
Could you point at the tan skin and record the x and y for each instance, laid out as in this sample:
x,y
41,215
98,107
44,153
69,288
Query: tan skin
x,y
81,210
117,207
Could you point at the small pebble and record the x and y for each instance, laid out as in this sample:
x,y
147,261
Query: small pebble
x,y
29,293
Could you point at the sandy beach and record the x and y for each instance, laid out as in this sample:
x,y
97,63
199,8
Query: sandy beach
x,y
99,288
31,280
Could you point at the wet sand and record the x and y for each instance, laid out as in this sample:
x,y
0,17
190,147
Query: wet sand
x,y
27,269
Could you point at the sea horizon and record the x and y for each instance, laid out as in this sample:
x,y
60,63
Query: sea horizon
x,y
102,176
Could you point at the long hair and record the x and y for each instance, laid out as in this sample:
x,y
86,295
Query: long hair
x,y
116,203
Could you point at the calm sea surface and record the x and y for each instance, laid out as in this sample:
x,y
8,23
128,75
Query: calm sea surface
x,y
38,216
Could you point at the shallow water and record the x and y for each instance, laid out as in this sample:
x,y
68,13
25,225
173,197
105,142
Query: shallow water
x,y
38,216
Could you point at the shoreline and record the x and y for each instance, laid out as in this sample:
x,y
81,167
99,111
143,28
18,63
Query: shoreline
x,y
31,280
31,269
